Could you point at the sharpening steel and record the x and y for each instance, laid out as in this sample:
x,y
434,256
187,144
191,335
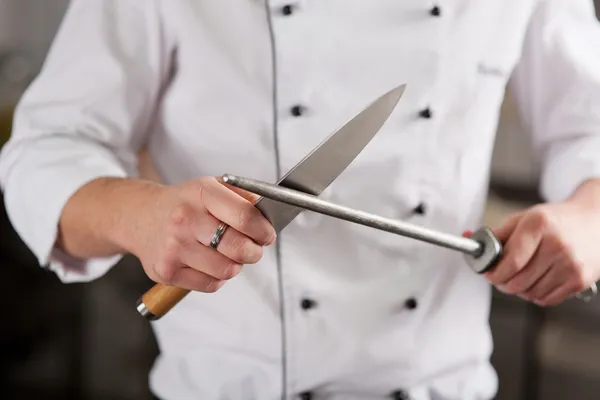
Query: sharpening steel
x,y
481,250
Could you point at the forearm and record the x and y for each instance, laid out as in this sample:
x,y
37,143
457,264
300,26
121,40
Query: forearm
x,y
104,216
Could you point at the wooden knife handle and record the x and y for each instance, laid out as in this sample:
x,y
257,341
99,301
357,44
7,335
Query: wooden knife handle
x,y
159,300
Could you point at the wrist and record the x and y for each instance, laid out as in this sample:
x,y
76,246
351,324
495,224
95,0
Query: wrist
x,y
135,201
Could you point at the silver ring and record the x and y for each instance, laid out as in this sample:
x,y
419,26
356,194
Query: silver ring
x,y
216,238
589,294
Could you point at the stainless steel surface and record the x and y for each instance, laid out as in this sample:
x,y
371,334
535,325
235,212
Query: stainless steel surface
x,y
144,312
310,202
490,254
589,294
482,250
331,157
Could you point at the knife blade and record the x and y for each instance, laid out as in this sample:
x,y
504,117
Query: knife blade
x,y
313,174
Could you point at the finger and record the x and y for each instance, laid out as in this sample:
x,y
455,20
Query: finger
x,y
191,279
233,245
558,295
523,281
503,232
210,262
518,251
550,281
251,197
238,213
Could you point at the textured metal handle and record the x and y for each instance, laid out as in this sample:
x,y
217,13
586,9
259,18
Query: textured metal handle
x,y
159,300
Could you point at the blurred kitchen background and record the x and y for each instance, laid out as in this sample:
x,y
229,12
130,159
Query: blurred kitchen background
x,y
87,342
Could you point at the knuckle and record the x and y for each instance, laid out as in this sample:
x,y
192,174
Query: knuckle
x,y
542,219
554,301
253,254
200,190
543,303
579,279
509,267
245,251
268,234
556,242
181,215
529,295
240,248
212,285
244,218
166,273
152,272
231,270
513,266
492,276
536,294
235,247
514,287
494,280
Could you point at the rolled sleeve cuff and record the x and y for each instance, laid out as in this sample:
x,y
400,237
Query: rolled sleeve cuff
x,y
37,191
568,166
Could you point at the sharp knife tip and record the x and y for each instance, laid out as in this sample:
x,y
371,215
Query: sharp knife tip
x,y
392,97
398,90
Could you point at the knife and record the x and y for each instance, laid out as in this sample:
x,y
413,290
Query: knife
x,y
481,250
313,174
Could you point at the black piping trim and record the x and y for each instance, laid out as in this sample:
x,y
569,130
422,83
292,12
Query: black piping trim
x,y
284,380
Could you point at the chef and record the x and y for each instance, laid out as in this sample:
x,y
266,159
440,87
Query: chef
x,y
325,309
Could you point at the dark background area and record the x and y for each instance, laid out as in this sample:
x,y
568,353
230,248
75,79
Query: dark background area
x,y
86,341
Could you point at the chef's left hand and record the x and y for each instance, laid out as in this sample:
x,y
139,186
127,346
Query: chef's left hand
x,y
551,251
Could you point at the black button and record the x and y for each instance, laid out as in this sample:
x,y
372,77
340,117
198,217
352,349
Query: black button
x,y
426,113
436,11
411,303
306,396
420,209
297,110
400,395
307,304
288,9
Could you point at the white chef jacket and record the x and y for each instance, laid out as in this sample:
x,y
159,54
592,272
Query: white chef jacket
x,y
335,310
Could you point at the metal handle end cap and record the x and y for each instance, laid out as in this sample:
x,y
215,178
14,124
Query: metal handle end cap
x,y
589,294
491,250
145,312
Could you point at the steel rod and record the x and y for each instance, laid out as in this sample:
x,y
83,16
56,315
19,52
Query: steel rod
x,y
313,203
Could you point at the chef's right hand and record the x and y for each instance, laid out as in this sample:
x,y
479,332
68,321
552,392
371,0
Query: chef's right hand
x,y
174,249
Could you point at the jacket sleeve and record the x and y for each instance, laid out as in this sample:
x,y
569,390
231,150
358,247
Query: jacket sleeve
x,y
83,117
557,87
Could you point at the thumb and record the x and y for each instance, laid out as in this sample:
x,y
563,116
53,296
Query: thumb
x,y
504,231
